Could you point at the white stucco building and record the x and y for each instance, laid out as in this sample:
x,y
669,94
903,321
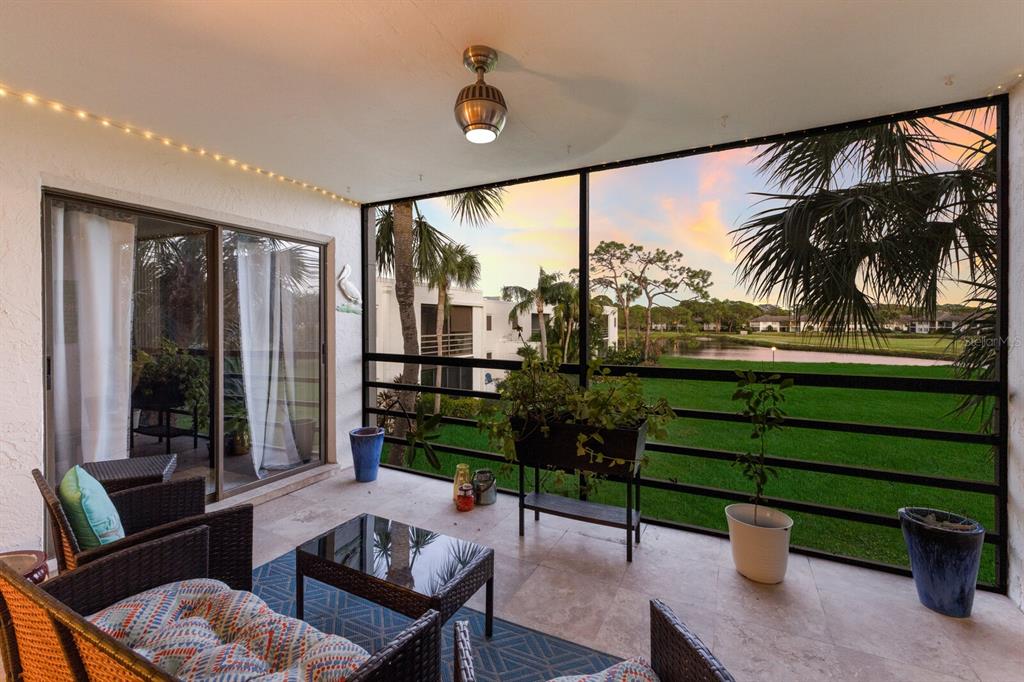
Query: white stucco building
x,y
478,327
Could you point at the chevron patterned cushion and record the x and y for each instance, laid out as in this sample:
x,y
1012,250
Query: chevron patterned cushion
x,y
633,670
204,630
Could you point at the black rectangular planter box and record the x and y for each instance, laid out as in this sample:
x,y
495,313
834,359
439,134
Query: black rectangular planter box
x,y
557,450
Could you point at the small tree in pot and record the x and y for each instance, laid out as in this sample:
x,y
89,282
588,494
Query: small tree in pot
x,y
759,535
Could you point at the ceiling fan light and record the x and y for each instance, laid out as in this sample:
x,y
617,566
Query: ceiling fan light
x,y
480,108
482,135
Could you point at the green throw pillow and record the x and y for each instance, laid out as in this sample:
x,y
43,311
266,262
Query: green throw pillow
x,y
90,512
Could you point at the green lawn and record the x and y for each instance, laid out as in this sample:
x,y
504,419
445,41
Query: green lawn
x,y
854,405
910,345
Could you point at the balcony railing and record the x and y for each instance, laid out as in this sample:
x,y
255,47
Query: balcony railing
x,y
452,344
995,489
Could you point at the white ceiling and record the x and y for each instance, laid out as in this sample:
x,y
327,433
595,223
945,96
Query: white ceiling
x,y
357,96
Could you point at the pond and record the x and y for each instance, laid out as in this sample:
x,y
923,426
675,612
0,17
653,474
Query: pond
x,y
722,349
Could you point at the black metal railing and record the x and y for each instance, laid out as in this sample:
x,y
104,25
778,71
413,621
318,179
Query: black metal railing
x,y
995,536
997,489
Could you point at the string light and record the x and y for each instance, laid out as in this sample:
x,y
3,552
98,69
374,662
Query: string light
x,y
32,99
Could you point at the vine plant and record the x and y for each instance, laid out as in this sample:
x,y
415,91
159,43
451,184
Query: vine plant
x,y
538,395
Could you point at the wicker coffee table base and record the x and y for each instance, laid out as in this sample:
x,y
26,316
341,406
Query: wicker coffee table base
x,y
449,599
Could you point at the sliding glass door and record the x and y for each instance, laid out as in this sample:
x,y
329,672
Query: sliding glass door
x,y
272,360
172,378
143,309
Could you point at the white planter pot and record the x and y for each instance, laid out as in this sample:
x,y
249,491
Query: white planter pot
x,y
760,551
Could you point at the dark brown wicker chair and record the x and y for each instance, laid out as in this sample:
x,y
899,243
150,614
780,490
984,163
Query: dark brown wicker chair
x,y
131,472
152,511
677,655
43,635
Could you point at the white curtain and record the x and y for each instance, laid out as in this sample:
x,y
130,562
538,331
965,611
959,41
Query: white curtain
x,y
92,269
265,308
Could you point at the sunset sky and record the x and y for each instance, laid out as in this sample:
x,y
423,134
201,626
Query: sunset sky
x,y
689,204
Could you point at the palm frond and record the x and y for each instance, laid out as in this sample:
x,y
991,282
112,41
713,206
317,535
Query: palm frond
x,y
461,553
477,207
385,241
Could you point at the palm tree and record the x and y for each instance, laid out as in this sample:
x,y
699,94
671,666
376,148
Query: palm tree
x,y
403,249
550,287
877,216
454,266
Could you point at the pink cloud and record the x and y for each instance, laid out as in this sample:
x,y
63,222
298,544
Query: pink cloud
x,y
717,171
697,228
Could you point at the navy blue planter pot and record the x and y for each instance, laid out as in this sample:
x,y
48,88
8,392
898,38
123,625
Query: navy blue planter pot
x,y
367,442
944,560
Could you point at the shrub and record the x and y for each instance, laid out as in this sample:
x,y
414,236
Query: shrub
x,y
631,355
464,408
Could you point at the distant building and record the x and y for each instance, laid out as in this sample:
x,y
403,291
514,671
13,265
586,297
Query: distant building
x,y
795,324
943,322
772,323
477,326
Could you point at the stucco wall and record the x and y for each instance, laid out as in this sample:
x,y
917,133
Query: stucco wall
x,y
39,148
1015,338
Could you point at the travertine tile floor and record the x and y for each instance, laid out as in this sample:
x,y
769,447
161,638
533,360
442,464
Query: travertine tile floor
x,y
827,621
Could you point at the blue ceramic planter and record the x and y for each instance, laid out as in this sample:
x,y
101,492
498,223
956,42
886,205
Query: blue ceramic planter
x,y
944,559
367,442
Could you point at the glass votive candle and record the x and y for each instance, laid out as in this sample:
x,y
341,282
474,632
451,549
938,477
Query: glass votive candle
x,y
464,500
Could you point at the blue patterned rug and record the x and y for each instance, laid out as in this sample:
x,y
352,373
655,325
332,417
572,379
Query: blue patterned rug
x,y
513,654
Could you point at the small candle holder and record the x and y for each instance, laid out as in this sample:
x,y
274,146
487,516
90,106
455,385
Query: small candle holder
x,y
464,500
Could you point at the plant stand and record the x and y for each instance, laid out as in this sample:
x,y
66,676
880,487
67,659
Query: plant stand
x,y
627,518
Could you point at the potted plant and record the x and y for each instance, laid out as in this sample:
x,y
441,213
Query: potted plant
x,y
945,553
367,443
303,430
546,419
237,438
421,430
172,378
759,535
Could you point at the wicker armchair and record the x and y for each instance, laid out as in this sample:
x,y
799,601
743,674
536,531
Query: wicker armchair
x,y
43,635
677,655
152,511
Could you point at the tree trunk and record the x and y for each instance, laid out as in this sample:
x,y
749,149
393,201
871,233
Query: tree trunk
x,y
400,568
647,332
405,292
442,303
625,316
543,329
567,327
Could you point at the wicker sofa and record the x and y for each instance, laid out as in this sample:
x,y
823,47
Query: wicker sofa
x,y
152,511
44,634
677,655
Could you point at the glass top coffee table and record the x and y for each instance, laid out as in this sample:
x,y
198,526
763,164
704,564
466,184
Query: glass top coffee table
x,y
401,567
